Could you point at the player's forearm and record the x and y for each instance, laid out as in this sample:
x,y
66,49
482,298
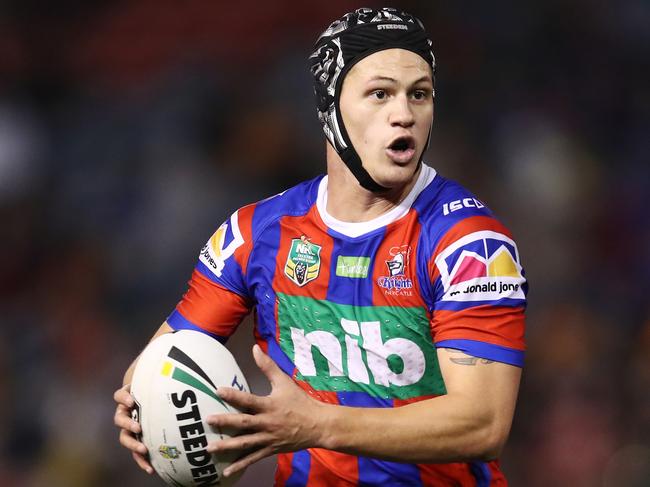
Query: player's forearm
x,y
128,375
444,429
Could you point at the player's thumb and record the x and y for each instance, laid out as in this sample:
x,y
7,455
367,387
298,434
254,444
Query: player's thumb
x,y
267,366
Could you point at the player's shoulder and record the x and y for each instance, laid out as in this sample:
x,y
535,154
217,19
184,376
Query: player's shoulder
x,y
472,254
448,211
444,200
247,223
295,201
237,236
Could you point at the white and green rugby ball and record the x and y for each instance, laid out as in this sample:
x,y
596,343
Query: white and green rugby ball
x,y
174,386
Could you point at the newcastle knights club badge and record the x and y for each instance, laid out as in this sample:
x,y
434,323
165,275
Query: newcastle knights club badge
x,y
303,261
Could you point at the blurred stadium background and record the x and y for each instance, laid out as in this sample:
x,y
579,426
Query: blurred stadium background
x,y
130,129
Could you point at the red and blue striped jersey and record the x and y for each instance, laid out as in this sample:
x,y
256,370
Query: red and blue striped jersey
x,y
354,312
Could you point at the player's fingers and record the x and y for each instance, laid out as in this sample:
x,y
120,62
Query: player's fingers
x,y
142,463
123,396
234,421
268,367
242,463
122,419
240,399
243,442
127,440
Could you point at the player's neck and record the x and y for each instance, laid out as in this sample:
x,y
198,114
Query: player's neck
x,y
349,202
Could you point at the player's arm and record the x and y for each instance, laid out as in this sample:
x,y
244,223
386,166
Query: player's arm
x,y
164,328
122,419
470,422
215,303
206,307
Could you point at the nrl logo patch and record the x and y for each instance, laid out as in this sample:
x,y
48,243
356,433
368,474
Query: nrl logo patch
x,y
303,261
169,452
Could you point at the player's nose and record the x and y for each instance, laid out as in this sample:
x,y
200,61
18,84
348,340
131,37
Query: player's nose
x,y
401,113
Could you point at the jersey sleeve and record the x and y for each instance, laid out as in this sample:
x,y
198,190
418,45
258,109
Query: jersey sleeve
x,y
479,291
218,298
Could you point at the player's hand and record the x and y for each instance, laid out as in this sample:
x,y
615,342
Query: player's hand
x,y
285,420
129,428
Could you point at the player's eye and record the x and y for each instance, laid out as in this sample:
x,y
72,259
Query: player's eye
x,y
420,94
379,94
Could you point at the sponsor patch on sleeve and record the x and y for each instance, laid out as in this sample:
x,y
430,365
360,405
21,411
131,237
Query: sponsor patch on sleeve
x,y
481,266
222,245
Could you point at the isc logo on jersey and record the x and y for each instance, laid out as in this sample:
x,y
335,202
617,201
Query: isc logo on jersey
x,y
481,266
222,245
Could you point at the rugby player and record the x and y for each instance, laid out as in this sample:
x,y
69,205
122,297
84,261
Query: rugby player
x,y
389,301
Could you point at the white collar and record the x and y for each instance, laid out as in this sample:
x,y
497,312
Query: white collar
x,y
355,229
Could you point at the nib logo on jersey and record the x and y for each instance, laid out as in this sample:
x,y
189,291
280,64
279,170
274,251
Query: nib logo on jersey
x,y
379,350
481,266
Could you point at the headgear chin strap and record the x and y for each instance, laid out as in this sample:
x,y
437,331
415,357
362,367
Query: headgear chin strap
x,y
347,41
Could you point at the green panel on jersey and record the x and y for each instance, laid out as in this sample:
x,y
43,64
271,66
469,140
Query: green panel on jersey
x,y
385,351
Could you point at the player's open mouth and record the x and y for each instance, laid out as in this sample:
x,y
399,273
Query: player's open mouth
x,y
402,149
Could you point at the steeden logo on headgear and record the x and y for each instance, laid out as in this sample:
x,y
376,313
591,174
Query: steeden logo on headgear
x,y
392,26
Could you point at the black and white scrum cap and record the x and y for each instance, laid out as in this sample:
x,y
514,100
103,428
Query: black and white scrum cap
x,y
347,41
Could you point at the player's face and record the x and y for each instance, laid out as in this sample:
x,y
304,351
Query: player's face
x,y
387,108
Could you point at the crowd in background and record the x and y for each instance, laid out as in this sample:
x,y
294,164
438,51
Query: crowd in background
x,y
129,130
